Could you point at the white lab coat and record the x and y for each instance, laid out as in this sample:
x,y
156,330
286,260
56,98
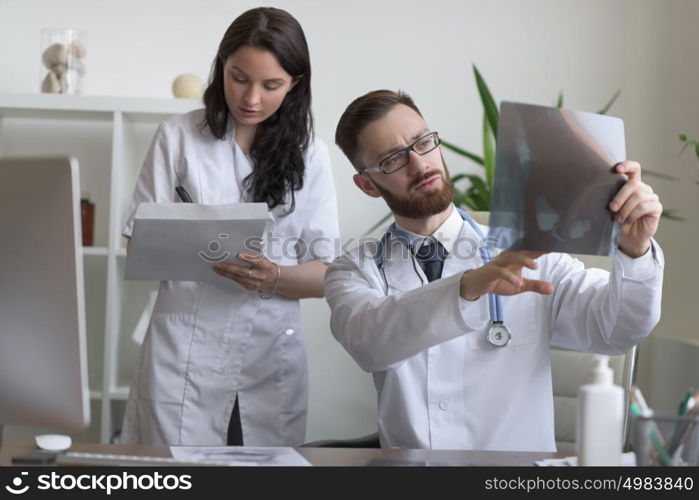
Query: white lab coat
x,y
440,384
210,343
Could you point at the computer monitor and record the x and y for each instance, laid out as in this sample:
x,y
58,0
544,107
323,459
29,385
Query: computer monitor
x,y
43,357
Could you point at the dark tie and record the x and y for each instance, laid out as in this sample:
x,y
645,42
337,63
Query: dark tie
x,y
431,257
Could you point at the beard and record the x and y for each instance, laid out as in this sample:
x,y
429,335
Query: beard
x,y
420,205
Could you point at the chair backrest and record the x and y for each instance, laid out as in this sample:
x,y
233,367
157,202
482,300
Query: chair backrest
x,y
570,370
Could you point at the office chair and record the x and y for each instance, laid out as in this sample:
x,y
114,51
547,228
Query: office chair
x,y
570,370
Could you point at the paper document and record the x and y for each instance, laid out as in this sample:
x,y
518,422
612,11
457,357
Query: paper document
x,y
240,455
554,180
627,460
182,241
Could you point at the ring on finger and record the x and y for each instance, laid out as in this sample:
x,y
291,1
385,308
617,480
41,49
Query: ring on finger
x,y
250,274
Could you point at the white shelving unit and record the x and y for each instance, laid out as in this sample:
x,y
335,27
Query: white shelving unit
x,y
109,136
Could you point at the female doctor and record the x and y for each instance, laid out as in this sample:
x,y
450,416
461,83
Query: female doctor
x,y
223,363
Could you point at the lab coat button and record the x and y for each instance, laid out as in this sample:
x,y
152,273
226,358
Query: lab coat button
x,y
289,331
443,405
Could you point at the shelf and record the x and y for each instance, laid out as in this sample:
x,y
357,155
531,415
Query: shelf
x,y
91,106
95,251
110,136
119,393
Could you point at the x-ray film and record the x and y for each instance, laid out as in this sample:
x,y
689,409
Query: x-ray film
x,y
554,180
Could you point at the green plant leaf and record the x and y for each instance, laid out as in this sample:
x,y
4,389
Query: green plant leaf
x,y
683,137
658,175
477,196
456,149
471,203
610,103
686,144
559,102
456,178
696,149
464,201
488,154
671,215
479,191
489,106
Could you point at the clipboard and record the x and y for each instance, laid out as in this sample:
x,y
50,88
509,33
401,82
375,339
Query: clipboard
x,y
182,241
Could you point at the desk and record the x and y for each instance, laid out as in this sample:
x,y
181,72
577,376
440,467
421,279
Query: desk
x,y
351,457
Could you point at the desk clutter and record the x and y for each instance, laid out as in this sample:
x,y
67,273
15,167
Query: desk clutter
x,y
666,440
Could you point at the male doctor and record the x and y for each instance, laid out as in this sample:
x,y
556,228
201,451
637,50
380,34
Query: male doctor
x,y
415,309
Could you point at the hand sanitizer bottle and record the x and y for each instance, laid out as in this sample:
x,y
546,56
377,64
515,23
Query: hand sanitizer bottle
x,y
600,417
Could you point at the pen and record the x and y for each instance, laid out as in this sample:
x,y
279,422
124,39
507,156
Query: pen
x,y
182,193
690,411
654,435
637,397
687,403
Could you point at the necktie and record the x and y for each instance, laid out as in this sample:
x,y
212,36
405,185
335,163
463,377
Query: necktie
x,y
431,257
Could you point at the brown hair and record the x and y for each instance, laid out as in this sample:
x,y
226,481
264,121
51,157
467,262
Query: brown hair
x,y
277,150
360,113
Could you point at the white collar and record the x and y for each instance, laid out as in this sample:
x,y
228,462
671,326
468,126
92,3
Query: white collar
x,y
446,234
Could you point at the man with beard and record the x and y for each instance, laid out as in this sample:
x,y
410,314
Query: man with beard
x,y
459,351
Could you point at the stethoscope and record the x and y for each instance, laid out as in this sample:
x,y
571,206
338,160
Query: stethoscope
x,y
499,334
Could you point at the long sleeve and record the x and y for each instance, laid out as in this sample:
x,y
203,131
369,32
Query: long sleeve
x,y
158,178
596,311
381,331
321,232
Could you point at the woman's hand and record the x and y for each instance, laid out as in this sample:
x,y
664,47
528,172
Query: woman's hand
x,y
261,274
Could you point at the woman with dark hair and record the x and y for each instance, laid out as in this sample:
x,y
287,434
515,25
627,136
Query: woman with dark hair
x,y
225,363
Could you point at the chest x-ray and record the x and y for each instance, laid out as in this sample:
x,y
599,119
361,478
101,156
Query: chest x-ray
x,y
554,180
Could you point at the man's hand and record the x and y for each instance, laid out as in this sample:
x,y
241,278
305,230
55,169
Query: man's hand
x,y
638,209
504,276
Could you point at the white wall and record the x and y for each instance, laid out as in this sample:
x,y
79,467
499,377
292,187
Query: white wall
x,y
527,51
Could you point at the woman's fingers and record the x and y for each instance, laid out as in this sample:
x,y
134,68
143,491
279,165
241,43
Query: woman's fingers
x,y
246,276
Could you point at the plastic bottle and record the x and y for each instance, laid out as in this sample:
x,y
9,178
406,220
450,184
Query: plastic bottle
x,y
600,417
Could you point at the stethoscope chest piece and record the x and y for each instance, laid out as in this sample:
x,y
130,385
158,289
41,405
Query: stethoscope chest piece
x,y
498,334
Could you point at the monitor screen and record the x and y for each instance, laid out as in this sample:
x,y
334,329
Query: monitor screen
x,y
43,361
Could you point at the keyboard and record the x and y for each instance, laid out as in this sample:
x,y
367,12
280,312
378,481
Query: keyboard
x,y
80,458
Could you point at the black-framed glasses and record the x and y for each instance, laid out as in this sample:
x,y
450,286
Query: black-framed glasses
x,y
395,161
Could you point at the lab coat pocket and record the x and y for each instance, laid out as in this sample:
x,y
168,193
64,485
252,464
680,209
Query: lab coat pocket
x,y
164,357
521,317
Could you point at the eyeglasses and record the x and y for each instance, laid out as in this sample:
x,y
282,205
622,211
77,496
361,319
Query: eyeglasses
x,y
395,161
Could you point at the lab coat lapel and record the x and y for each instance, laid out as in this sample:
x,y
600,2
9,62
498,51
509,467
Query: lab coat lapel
x,y
465,253
402,273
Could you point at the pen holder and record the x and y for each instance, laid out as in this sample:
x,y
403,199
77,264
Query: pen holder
x,y
666,440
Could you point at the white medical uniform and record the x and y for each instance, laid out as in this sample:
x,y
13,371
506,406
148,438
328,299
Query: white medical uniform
x,y
209,343
440,383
